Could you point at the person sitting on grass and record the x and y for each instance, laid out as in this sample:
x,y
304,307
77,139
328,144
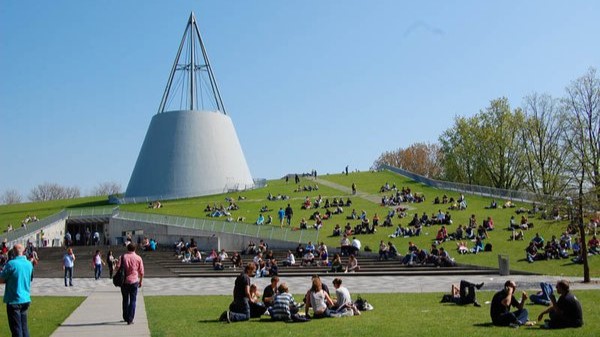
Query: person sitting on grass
x,y
501,303
318,300
538,241
478,246
543,297
285,308
337,230
532,253
442,234
303,224
343,304
517,235
260,220
240,307
594,246
564,313
461,247
463,294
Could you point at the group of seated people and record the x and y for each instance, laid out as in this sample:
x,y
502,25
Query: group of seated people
x,y
215,211
404,195
406,231
271,197
319,202
538,249
523,224
418,256
278,303
154,204
307,188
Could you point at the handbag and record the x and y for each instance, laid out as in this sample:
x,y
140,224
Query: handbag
x,y
119,277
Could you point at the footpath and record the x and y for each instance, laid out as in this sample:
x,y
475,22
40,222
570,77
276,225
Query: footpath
x,y
100,313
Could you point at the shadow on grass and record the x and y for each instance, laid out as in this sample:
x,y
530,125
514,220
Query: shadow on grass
x,y
484,325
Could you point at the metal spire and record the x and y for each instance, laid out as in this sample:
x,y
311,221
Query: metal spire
x,y
191,84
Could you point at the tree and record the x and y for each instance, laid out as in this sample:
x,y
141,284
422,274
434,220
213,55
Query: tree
x,y
460,154
107,188
583,107
499,144
420,158
10,197
52,191
544,145
583,138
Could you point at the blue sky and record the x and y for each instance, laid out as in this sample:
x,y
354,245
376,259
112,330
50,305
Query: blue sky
x,y
309,84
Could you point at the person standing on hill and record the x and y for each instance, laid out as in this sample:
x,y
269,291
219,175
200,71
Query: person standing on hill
x,y
17,275
353,189
134,275
281,216
289,212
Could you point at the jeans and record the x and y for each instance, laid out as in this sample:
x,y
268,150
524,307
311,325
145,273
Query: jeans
x,y
467,297
98,271
242,310
69,275
544,297
516,317
17,319
129,293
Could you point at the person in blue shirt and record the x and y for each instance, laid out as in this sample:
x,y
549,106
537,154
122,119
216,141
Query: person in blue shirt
x,y
17,275
281,215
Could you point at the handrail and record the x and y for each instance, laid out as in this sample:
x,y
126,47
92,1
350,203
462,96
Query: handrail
x,y
32,227
233,227
472,189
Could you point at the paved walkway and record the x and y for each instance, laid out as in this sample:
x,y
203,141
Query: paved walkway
x,y
100,314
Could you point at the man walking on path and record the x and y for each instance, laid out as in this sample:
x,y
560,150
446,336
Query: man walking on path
x,y
134,274
17,275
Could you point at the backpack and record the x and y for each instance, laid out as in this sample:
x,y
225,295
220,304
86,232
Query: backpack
x,y
488,247
362,304
119,277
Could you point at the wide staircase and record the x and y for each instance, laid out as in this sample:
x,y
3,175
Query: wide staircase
x,y
368,262
164,263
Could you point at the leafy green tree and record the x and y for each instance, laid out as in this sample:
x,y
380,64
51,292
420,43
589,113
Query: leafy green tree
x,y
544,145
500,145
461,160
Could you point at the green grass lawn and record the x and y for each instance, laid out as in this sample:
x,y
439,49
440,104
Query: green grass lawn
x,y
370,182
394,315
45,314
14,214
367,182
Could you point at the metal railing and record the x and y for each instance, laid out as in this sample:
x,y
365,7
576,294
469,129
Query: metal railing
x,y
32,227
265,232
465,188
258,183
91,211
